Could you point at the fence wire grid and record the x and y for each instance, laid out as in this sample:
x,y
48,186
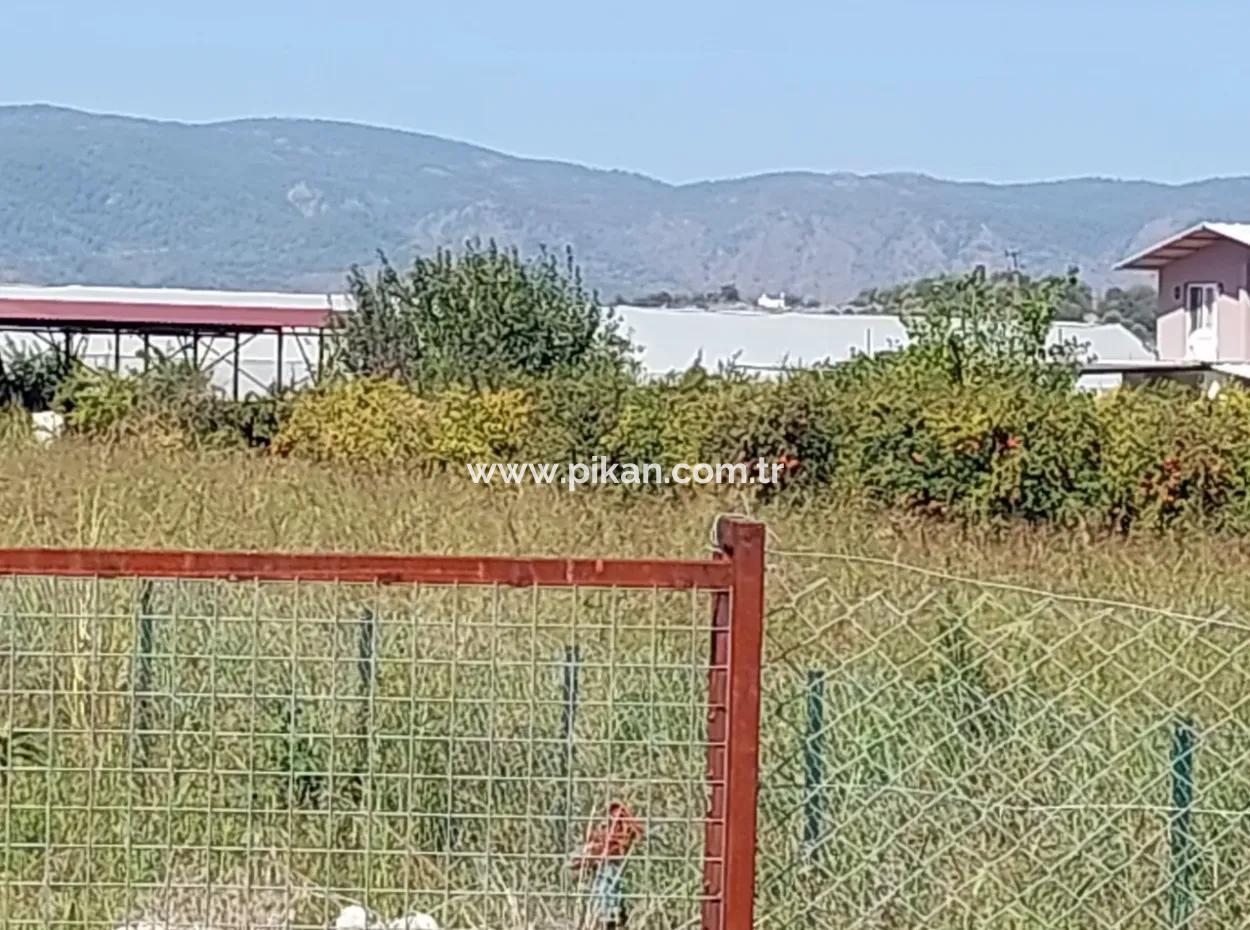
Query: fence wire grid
x,y
935,752
939,752
218,754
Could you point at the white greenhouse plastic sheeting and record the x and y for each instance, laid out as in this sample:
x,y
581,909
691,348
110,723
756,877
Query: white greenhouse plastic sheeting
x,y
668,339
673,339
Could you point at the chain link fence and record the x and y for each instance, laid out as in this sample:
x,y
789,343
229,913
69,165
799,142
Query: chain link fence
x,y
944,753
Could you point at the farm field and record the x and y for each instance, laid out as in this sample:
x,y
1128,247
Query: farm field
x,y
1024,728
79,493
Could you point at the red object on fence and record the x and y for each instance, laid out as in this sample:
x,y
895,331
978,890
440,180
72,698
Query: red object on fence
x,y
735,579
611,841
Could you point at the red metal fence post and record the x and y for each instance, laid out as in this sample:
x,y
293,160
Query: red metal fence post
x,y
734,731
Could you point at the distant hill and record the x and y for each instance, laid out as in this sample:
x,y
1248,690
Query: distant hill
x,y
290,204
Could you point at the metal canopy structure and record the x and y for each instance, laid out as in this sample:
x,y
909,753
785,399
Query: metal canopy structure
x,y
211,329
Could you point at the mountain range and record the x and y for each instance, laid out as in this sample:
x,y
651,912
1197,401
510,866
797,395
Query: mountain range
x,y
290,204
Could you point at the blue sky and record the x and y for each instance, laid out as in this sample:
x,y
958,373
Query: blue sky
x,y
684,89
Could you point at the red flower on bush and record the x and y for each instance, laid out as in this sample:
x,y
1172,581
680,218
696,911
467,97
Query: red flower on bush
x,y
788,462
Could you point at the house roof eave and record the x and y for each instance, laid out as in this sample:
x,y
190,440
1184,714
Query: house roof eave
x,y
1184,244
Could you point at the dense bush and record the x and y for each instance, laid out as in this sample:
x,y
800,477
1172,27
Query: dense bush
x,y
29,379
485,317
729,418
1020,445
796,421
172,404
573,413
255,421
485,357
98,403
466,426
665,421
1027,445
1170,452
381,420
359,420
1015,445
978,418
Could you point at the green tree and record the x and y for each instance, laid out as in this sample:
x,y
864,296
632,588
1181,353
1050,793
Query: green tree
x,y
484,317
1135,307
1077,300
974,324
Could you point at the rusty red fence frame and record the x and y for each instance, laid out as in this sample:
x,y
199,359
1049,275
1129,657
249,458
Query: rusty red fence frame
x,y
735,578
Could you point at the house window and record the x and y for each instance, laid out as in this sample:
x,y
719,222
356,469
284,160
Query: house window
x,y
1200,300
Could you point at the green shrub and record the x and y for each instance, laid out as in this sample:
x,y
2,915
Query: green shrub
x,y
572,414
361,420
1012,440
792,421
98,403
30,379
1016,446
258,420
484,316
1171,452
670,420
730,418
468,426
180,395
172,404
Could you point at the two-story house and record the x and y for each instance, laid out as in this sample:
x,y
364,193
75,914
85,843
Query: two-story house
x,y
1204,292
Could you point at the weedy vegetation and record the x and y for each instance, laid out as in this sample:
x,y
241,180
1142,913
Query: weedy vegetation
x,y
1005,669
412,749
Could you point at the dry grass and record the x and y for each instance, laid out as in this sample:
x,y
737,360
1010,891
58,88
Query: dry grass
x,y
88,495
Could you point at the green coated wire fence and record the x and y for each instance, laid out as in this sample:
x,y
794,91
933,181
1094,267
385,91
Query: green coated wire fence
x,y
944,753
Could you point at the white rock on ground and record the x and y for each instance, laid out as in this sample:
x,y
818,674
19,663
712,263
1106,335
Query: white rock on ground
x,y
355,917
413,922
48,425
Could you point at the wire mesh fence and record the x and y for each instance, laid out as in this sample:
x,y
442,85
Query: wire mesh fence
x,y
206,751
940,753
220,753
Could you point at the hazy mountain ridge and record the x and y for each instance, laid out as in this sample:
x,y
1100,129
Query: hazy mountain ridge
x,y
283,203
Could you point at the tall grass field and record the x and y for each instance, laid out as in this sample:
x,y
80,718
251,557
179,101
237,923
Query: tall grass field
x,y
1020,728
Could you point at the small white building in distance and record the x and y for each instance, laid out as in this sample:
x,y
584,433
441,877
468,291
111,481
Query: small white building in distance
x,y
772,303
